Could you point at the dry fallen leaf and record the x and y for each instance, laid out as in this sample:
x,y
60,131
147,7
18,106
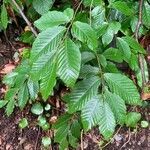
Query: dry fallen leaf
x,y
145,96
53,119
7,68
3,90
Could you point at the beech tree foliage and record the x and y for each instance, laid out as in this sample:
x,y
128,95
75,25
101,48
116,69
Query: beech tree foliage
x,y
81,46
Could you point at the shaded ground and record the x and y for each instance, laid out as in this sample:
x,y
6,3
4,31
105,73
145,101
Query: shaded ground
x,y
13,138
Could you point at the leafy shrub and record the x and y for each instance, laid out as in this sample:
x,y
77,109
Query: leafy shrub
x,y
83,48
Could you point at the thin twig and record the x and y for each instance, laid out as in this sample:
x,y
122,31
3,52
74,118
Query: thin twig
x,y
126,141
71,23
91,12
82,145
139,23
36,143
25,18
135,135
111,138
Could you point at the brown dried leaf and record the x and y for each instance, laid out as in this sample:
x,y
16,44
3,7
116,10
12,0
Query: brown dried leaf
x,y
53,119
7,68
145,96
3,90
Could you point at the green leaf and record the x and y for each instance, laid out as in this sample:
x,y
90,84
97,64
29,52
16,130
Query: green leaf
x,y
23,96
111,67
37,109
23,123
48,40
61,133
63,120
144,124
3,103
47,107
51,19
4,16
87,56
82,93
124,87
20,79
76,129
46,141
134,44
46,126
91,113
41,121
24,67
102,60
107,121
27,37
9,79
43,51
10,107
122,7
124,47
133,25
107,37
132,119
101,30
117,106
146,14
73,141
98,16
42,6
69,12
113,54
48,82
112,28
87,71
69,62
11,94
133,62
41,66
33,88
84,33
63,145
92,2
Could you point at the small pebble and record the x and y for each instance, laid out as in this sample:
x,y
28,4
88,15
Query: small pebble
x,y
118,137
9,147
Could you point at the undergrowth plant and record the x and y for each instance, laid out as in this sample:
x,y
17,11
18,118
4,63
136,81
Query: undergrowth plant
x,y
86,48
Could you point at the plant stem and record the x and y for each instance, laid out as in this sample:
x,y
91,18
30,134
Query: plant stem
x,y
139,23
91,12
25,18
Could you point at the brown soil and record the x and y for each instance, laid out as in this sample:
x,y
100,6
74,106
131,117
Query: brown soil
x,y
13,138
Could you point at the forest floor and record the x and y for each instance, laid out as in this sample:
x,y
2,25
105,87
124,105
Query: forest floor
x,y
13,138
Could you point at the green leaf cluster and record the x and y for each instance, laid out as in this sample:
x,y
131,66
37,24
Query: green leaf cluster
x,y
82,49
